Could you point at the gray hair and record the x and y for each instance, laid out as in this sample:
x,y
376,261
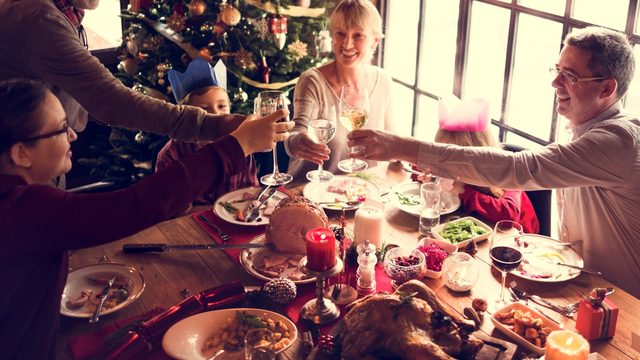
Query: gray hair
x,y
611,54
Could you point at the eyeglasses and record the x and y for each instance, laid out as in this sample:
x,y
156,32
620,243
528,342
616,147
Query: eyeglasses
x,y
65,129
572,79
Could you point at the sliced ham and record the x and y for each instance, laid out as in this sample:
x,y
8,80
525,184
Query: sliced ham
x,y
81,300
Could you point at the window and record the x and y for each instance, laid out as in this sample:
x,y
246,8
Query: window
x,y
103,25
496,49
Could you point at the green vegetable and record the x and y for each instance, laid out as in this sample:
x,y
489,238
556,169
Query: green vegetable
x,y
462,230
369,177
404,200
230,208
121,294
251,320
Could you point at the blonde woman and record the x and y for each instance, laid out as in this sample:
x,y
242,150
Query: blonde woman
x,y
356,29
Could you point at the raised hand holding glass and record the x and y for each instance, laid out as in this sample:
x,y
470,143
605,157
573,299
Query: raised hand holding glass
x,y
266,103
354,114
322,129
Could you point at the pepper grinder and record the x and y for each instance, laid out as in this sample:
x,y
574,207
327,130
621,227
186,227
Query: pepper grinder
x,y
366,273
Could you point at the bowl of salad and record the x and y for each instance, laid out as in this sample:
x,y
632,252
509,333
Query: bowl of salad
x,y
461,231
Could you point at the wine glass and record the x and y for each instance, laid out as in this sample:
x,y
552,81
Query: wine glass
x,y
266,103
322,129
354,114
505,252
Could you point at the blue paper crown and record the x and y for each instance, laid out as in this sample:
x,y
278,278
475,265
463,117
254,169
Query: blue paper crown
x,y
199,74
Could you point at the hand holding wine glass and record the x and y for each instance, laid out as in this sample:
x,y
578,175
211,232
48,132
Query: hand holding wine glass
x,y
322,129
354,114
266,103
505,251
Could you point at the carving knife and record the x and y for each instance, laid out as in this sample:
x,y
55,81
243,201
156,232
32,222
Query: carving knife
x,y
253,207
140,248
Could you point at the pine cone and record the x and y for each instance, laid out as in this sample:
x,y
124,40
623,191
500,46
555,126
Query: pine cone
x,y
471,248
280,290
255,297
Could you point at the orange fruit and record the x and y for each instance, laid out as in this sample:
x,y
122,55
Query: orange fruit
x,y
566,345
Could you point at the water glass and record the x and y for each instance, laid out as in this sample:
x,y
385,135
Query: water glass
x,y
430,194
259,345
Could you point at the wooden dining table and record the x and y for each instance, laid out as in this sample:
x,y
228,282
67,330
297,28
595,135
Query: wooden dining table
x,y
167,274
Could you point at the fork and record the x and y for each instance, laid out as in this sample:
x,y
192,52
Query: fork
x,y
223,235
537,299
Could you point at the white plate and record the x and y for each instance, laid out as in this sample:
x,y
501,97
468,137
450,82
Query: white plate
x,y
446,246
81,279
450,202
219,210
317,191
435,231
248,256
592,356
185,339
539,264
519,339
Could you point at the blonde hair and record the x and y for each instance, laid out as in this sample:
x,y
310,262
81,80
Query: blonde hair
x,y
467,138
361,14
187,99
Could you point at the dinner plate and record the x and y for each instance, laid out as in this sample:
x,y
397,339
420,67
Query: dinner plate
x,y
185,339
319,191
237,195
536,262
81,279
519,339
249,257
450,202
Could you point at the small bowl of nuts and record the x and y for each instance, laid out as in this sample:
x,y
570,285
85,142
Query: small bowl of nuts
x,y
404,264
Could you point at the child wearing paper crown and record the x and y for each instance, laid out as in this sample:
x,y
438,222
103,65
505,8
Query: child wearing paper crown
x,y
205,87
466,123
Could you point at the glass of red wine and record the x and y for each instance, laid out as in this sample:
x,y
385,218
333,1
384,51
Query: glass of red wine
x,y
506,251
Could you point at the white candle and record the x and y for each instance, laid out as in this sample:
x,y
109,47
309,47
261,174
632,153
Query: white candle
x,y
369,225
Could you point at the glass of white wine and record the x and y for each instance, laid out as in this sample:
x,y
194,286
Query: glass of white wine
x,y
322,129
266,103
354,114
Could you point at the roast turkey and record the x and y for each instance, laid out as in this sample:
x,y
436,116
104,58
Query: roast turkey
x,y
402,326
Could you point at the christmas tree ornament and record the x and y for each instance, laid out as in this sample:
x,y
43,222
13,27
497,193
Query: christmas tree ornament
x,y
160,81
240,96
278,27
206,26
229,15
205,52
160,74
280,290
262,27
176,22
265,70
121,66
220,28
302,3
141,138
130,65
299,49
139,88
243,59
132,46
323,43
178,9
197,7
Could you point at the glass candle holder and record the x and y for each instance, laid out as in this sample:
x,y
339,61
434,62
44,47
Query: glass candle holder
x,y
460,272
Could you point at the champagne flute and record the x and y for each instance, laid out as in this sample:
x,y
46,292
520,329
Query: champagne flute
x,y
322,129
266,103
354,114
505,252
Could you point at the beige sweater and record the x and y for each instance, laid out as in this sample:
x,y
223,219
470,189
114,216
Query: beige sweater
x,y
38,41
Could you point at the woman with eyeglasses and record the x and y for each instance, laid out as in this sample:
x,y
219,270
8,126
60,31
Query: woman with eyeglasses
x,y
39,224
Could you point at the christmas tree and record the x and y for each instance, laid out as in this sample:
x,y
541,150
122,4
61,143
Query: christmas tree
x,y
265,44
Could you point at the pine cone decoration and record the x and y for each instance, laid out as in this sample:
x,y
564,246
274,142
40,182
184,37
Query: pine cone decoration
x,y
280,290
471,248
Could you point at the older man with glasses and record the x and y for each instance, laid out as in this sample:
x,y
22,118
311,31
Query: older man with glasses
x,y
598,172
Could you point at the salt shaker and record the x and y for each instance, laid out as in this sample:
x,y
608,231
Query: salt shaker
x,y
366,273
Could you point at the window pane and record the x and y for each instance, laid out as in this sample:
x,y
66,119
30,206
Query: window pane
x,y
402,108
552,6
428,123
613,14
516,139
632,99
487,50
103,25
401,44
531,101
437,68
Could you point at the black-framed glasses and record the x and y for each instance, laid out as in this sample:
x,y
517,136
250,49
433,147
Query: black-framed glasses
x,y
65,129
572,79
83,36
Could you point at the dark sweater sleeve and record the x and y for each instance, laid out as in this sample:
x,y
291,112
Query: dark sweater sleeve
x,y
43,219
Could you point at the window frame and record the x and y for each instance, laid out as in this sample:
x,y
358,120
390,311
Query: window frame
x,y
109,57
461,55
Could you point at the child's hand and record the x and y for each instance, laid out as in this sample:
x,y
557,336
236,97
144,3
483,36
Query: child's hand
x,y
258,134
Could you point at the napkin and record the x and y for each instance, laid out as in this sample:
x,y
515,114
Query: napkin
x,y
90,345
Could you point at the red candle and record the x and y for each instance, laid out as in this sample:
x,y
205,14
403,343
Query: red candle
x,y
321,249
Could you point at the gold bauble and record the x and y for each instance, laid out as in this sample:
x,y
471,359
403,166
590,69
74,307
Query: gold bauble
x,y
197,7
230,16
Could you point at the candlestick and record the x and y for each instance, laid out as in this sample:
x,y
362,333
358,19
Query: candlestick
x,y
321,249
369,225
320,310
